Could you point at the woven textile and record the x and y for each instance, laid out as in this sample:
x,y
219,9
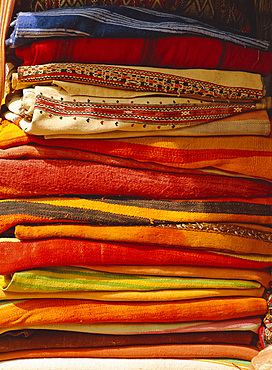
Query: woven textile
x,y
49,311
133,211
215,84
38,339
250,123
37,177
24,255
137,296
114,21
245,155
262,276
82,279
252,324
167,52
143,351
122,364
225,14
208,236
57,113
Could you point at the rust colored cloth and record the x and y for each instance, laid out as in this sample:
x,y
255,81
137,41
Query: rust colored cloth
x,y
35,177
16,256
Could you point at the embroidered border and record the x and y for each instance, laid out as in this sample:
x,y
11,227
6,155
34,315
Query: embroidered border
x,y
139,113
131,79
221,228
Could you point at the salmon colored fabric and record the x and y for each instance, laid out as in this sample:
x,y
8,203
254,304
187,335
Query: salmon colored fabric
x,y
147,351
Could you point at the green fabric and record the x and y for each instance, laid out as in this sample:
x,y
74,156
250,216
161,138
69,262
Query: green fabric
x,y
83,279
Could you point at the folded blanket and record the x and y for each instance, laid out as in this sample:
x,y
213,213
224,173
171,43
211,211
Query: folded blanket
x,y
253,158
56,113
262,276
143,351
245,155
42,339
48,152
233,15
114,21
50,110
235,238
82,279
30,312
119,212
137,296
242,324
16,256
108,81
166,52
38,177
122,364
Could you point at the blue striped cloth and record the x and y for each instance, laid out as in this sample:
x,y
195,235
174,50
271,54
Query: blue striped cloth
x,y
114,22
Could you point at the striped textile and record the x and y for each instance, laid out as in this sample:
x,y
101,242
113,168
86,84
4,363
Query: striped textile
x,y
232,16
136,296
81,279
252,324
114,21
244,155
108,211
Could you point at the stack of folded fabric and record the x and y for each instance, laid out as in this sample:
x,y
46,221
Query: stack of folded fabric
x,y
135,190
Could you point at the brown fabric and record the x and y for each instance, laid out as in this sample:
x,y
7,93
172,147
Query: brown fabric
x,y
38,339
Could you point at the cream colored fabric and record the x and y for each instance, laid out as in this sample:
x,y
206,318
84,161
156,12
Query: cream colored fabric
x,y
224,78
52,122
119,364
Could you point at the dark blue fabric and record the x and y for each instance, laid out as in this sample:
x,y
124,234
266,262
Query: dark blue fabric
x,y
114,22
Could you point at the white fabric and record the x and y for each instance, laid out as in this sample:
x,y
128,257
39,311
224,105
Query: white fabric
x,y
117,364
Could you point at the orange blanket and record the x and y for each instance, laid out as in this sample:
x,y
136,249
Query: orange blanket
x,y
245,155
22,313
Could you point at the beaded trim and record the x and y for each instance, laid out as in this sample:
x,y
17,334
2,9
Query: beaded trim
x,y
229,229
132,79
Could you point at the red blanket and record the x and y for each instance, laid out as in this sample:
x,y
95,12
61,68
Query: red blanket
x,y
25,255
35,177
169,52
